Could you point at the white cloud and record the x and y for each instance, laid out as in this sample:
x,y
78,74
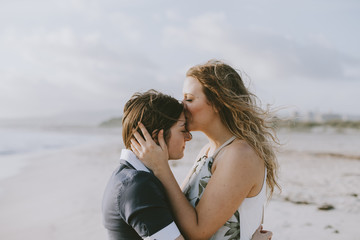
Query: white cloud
x,y
264,55
59,70
202,32
69,55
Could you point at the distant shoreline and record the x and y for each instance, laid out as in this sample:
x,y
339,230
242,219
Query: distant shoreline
x,y
303,125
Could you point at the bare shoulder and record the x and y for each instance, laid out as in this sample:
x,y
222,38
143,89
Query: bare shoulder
x,y
241,146
239,166
239,154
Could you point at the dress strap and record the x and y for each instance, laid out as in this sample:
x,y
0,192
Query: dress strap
x,y
222,146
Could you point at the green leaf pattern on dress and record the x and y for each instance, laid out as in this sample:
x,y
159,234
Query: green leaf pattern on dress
x,y
234,230
194,188
202,184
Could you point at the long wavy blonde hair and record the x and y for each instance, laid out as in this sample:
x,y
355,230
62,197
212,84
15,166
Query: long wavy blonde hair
x,y
237,106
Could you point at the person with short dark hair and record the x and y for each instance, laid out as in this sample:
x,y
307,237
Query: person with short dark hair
x,y
135,205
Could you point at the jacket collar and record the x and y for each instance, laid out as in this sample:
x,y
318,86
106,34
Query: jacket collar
x,y
131,158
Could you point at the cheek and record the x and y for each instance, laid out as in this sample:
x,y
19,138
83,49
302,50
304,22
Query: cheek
x,y
175,143
200,111
179,142
194,109
176,147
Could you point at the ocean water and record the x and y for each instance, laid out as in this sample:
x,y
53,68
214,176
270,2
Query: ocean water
x,y
20,141
346,142
17,143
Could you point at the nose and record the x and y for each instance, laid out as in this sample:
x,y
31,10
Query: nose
x,y
188,136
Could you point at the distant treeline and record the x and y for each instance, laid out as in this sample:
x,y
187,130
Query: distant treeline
x,y
276,122
294,124
112,122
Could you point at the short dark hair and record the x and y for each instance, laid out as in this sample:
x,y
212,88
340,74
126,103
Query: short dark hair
x,y
153,109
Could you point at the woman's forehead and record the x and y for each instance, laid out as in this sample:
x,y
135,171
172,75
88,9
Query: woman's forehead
x,y
191,86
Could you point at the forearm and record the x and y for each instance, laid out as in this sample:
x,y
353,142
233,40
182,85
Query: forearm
x,y
185,214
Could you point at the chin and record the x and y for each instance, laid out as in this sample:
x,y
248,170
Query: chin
x,y
176,157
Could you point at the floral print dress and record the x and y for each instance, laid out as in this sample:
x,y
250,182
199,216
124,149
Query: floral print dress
x,y
194,188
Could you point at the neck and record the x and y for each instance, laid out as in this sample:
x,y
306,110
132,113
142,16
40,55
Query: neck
x,y
217,135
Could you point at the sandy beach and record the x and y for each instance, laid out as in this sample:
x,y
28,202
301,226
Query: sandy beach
x,y
56,194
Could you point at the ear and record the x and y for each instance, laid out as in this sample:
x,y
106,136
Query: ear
x,y
154,136
215,109
213,106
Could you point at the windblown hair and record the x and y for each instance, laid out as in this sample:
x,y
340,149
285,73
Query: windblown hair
x,y
238,110
153,109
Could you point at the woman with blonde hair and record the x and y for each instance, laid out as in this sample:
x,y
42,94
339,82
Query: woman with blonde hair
x,y
224,193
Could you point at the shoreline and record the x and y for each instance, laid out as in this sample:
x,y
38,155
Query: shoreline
x,y
58,193
18,144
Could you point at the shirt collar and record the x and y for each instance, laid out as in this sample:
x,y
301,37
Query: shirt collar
x,y
131,158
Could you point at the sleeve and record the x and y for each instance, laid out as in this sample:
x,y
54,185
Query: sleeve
x,y
145,208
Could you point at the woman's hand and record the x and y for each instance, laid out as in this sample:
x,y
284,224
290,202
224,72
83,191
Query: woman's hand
x,y
154,156
261,234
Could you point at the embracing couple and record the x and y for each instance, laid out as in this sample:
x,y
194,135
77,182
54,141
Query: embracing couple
x,y
224,193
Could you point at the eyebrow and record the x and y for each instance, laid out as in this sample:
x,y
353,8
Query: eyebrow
x,y
182,122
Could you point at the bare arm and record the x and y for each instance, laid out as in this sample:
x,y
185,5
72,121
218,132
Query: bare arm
x,y
229,185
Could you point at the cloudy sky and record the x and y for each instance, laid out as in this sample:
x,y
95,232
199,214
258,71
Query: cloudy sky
x,y
91,55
